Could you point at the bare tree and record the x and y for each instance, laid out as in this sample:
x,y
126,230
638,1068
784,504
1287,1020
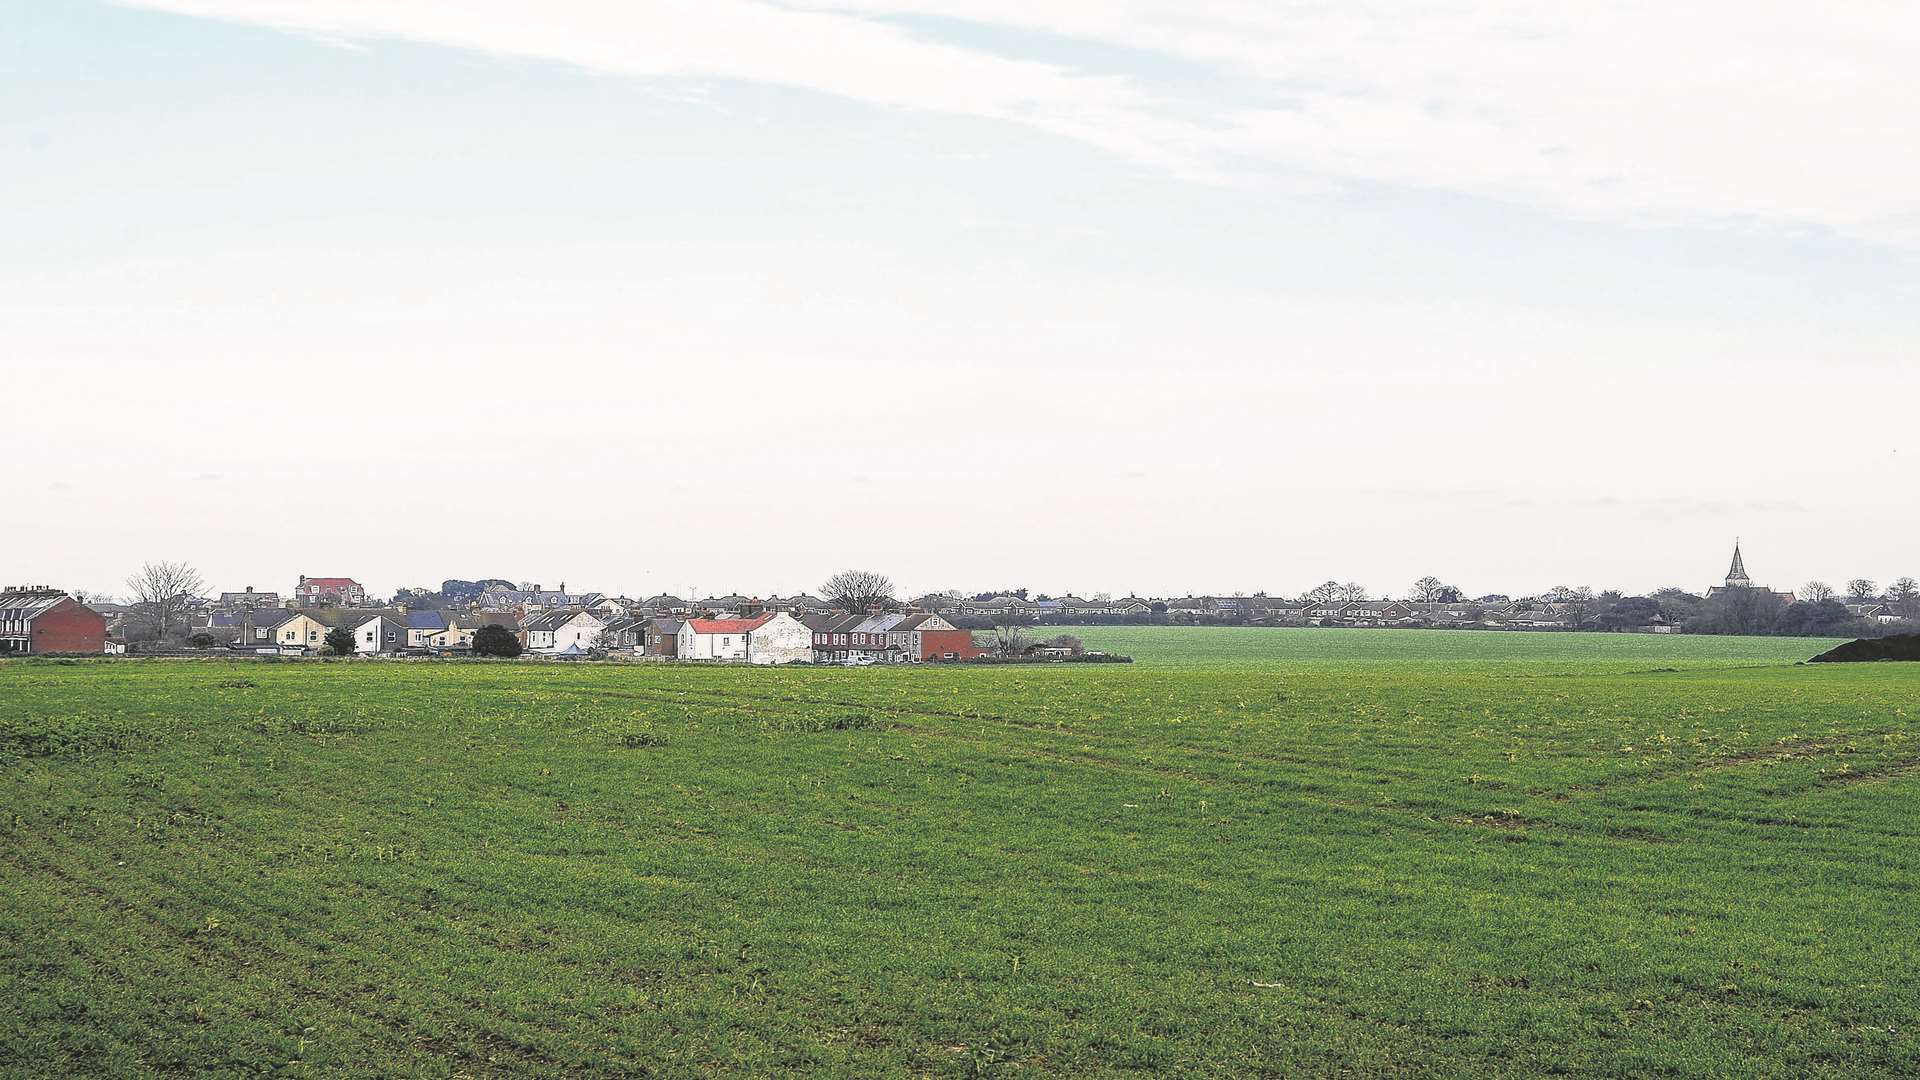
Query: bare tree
x,y
1816,591
858,591
1428,590
1861,588
1010,633
1353,592
1324,593
161,592
1905,594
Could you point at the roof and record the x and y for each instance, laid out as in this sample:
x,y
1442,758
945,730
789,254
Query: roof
x,y
426,620
730,626
29,604
667,625
329,583
555,619
1738,571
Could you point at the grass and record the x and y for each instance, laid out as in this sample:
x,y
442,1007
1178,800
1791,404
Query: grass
x,y
1226,646
1331,855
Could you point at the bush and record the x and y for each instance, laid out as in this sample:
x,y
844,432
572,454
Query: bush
x,y
496,640
339,641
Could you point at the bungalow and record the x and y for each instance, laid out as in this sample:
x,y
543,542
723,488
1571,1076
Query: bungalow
x,y
1542,619
567,630
1374,613
1878,613
715,639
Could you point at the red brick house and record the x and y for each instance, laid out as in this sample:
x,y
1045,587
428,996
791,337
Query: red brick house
x,y
40,620
930,637
340,591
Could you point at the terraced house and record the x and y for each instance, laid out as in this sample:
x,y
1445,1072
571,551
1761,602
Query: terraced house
x,y
42,620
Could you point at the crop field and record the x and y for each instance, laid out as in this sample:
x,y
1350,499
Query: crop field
x,y
1251,853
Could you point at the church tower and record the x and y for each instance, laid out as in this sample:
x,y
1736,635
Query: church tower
x,y
1737,574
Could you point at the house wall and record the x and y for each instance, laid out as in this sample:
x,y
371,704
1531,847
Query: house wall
x,y
783,640
300,631
367,637
936,644
658,643
69,627
581,630
711,646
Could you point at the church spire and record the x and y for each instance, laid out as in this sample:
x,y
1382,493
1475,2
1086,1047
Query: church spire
x,y
1737,574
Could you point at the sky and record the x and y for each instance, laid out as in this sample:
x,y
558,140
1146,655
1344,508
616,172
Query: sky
x,y
1150,296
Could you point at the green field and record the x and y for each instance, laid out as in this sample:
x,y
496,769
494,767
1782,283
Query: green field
x,y
1228,646
1251,853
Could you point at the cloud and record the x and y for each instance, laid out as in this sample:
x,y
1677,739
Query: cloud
x,y
1716,110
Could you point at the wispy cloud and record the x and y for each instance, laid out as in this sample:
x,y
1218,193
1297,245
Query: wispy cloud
x,y
1718,110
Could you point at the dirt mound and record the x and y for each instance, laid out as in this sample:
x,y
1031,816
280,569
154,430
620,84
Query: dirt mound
x,y
1862,650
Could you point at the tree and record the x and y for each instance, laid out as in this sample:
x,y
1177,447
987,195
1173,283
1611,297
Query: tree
x,y
339,641
1815,618
1904,594
495,640
1324,593
1353,592
1427,590
1068,641
1816,591
1010,633
201,641
1628,612
1738,611
161,592
858,591
1861,589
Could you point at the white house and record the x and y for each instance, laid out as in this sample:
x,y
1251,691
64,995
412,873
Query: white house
x,y
569,630
779,639
716,639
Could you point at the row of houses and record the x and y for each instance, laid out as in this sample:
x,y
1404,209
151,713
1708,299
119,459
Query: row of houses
x,y
1262,609
37,619
769,637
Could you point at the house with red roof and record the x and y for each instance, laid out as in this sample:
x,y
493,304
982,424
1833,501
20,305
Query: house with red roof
x,y
339,591
771,637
